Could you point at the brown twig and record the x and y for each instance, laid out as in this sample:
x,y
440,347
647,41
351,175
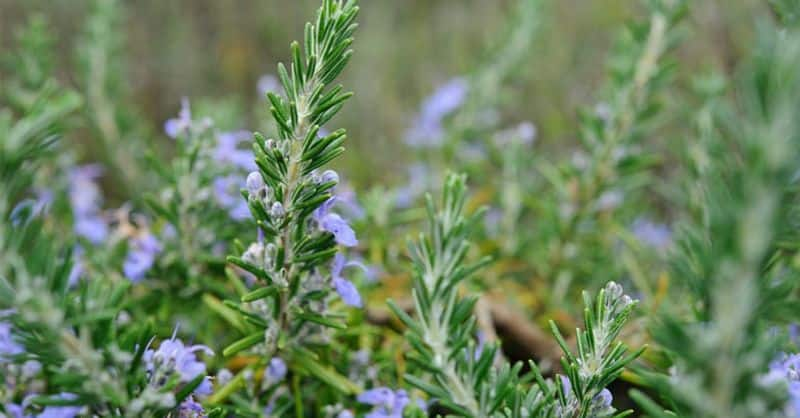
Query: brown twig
x,y
521,338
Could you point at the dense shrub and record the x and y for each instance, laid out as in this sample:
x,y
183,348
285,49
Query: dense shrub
x,y
245,277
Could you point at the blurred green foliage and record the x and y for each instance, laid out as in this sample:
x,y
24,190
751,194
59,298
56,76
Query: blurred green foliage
x,y
219,49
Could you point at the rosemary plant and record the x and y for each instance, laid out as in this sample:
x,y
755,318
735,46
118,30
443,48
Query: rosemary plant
x,y
296,261
465,378
103,72
613,164
732,259
118,296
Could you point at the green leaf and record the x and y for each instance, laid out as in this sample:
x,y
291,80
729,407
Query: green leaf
x,y
324,373
243,344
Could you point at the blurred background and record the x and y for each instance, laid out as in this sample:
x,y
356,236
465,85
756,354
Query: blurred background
x,y
404,49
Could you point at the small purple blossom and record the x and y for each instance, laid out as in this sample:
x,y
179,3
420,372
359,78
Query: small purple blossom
x,y
172,356
190,408
427,130
419,177
345,288
85,195
276,370
524,134
226,192
566,385
601,404
787,369
609,200
77,270
31,368
227,150
480,345
86,201
254,182
346,200
372,273
268,83
36,206
493,221
387,403
176,126
8,347
14,410
62,411
141,256
335,224
184,124
377,396
656,235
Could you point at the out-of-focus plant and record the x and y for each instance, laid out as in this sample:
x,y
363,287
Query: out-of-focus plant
x,y
456,126
465,377
736,278
116,127
31,64
590,197
67,347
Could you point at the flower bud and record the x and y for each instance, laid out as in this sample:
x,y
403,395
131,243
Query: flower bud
x,y
254,182
613,290
330,176
277,211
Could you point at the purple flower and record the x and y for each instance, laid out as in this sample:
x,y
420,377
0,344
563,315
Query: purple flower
x,y
228,151
609,200
276,370
524,134
345,288
141,256
85,195
601,404
419,176
427,129
173,356
86,201
176,126
658,236
268,83
14,410
36,207
603,398
346,200
566,385
387,403
184,124
787,369
372,273
480,345
377,396
335,224
62,411
345,414
76,271
190,408
8,347
226,192
493,220
31,368
93,228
